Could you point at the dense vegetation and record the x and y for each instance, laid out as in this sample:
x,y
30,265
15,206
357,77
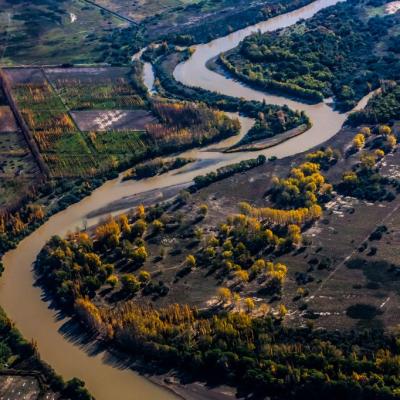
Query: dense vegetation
x,y
381,108
47,199
81,265
258,354
275,119
343,51
155,167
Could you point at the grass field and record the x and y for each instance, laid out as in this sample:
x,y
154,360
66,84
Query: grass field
x,y
52,31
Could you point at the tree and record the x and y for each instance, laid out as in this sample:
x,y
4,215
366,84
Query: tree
x,y
198,232
123,222
75,389
236,299
242,276
130,284
113,280
249,304
224,295
190,261
203,209
282,311
359,141
392,141
108,233
139,255
138,228
144,276
140,211
379,153
158,226
294,234
385,130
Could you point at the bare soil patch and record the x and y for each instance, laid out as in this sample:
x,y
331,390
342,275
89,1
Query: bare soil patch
x,y
7,120
25,76
112,120
86,73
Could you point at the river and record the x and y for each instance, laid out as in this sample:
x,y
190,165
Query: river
x,y
23,302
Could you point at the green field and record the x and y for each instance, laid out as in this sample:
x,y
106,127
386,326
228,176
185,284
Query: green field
x,y
53,32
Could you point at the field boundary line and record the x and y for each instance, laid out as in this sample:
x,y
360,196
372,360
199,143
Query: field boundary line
x,y
22,124
93,3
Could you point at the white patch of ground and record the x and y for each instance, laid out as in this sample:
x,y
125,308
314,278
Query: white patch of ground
x,y
106,120
393,7
340,204
392,171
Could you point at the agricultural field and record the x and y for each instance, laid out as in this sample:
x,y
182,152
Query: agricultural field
x,y
87,121
18,169
53,31
95,88
61,144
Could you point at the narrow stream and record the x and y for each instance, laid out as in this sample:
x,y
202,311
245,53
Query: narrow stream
x,y
23,302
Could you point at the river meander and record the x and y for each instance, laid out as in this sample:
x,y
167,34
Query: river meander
x,y
23,302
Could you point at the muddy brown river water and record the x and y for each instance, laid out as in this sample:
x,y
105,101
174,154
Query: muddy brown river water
x,y
24,303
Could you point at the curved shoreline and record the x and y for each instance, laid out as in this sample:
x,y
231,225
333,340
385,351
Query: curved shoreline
x,y
69,354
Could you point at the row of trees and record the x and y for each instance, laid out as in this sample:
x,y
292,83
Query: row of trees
x,y
184,124
257,354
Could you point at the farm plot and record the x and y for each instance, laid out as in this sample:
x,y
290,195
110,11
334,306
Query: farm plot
x,y
87,121
115,120
59,140
67,149
18,169
95,88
